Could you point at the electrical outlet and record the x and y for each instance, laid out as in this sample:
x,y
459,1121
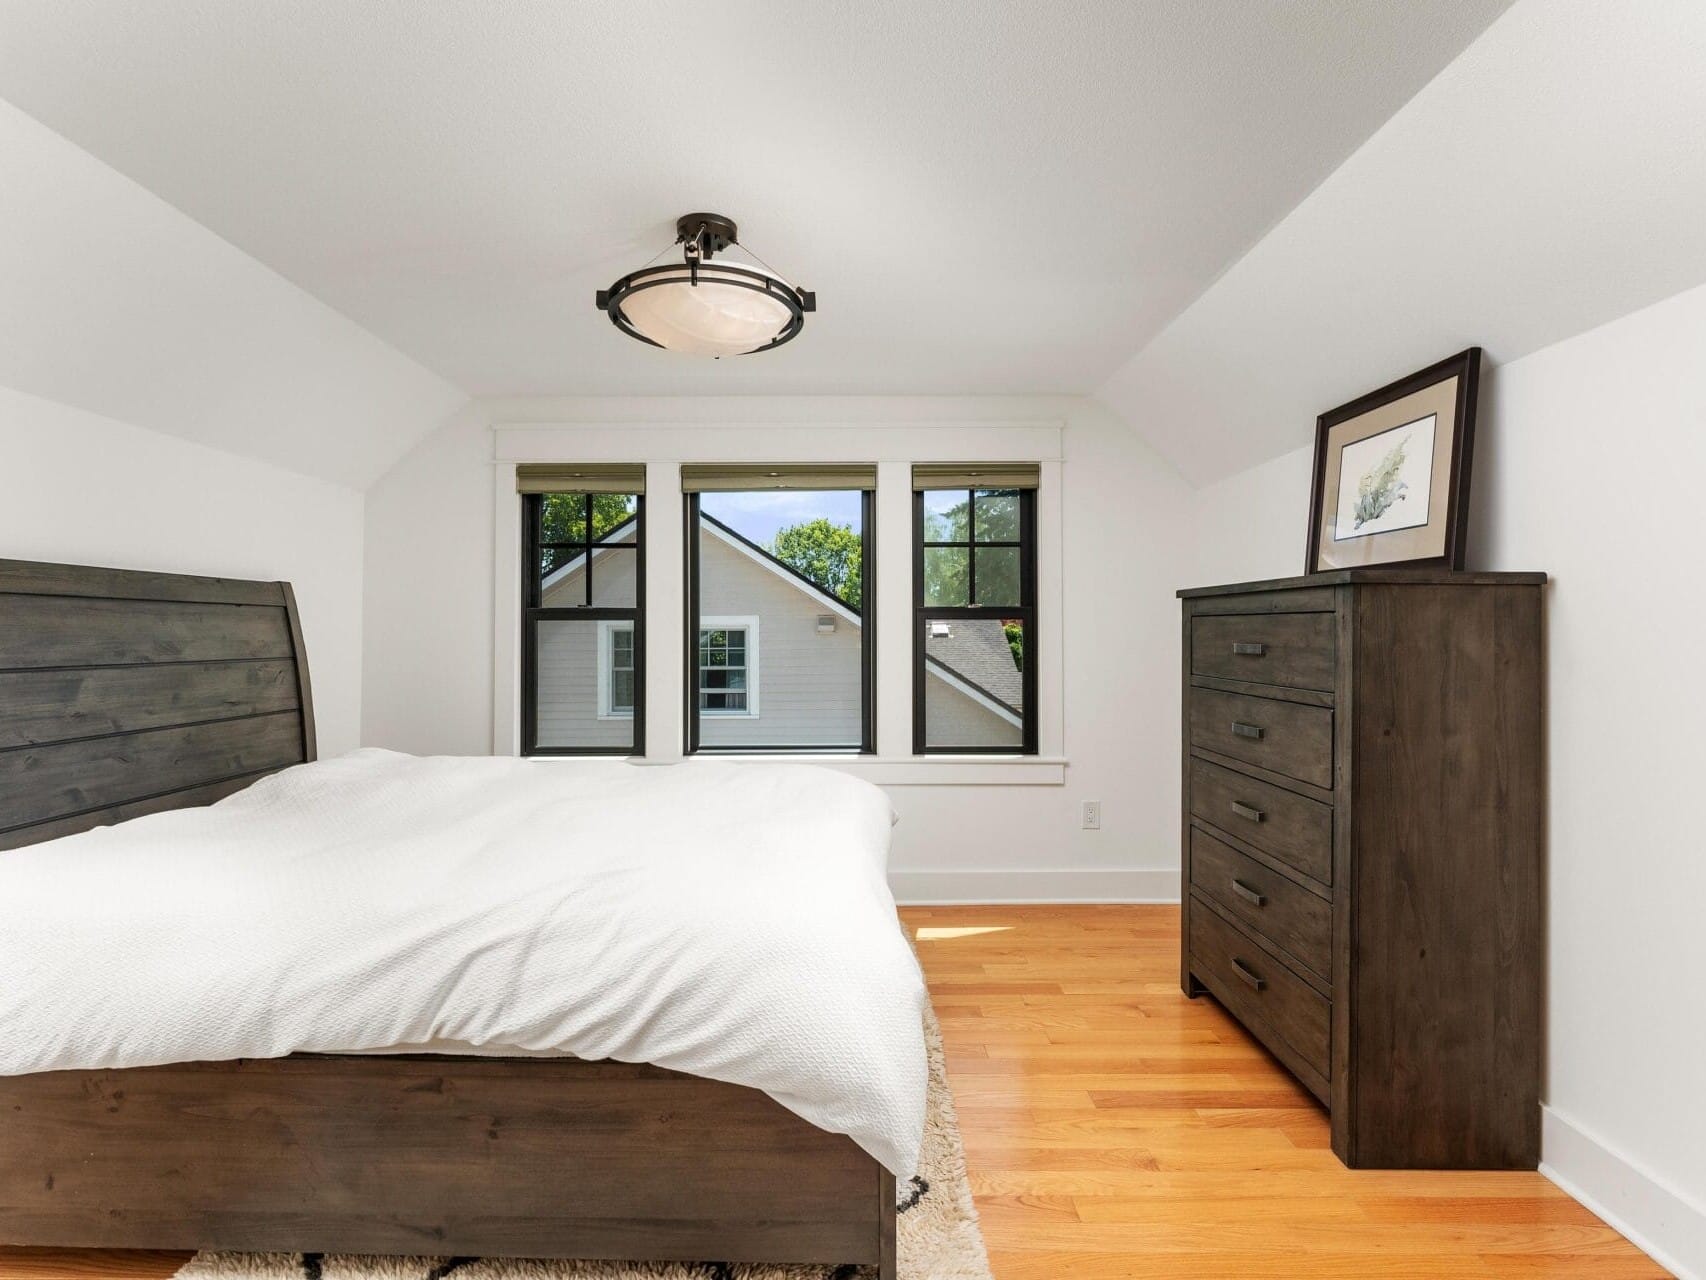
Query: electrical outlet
x,y
1092,815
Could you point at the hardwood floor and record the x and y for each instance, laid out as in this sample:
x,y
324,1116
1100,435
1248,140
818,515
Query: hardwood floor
x,y
1115,1129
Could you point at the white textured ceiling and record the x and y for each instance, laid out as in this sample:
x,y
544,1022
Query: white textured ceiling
x,y
1551,179
113,301
988,197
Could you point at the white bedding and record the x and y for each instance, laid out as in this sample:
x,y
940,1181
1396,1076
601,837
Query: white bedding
x,y
731,921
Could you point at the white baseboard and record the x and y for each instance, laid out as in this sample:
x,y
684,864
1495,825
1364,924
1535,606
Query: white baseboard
x,y
939,888
1660,1220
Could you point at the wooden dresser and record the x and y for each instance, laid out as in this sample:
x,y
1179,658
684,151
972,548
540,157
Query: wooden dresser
x,y
1362,849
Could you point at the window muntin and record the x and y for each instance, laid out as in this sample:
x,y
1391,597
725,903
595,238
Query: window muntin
x,y
588,546
974,687
790,571
583,683
973,549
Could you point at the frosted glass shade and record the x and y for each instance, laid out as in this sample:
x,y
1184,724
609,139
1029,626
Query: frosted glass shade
x,y
711,318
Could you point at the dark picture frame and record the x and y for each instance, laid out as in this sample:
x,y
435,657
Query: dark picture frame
x,y
1434,534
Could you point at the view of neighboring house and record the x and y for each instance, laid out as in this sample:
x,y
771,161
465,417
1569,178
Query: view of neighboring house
x,y
779,659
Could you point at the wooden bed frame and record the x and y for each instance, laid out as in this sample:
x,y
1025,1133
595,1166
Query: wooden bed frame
x,y
125,693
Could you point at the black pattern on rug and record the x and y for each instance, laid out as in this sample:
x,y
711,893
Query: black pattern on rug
x,y
313,1264
920,1189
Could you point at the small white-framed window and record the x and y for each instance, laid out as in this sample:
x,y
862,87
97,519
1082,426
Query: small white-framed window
x,y
728,666
616,671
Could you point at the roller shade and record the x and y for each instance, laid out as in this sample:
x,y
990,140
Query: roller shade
x,y
722,477
975,475
591,477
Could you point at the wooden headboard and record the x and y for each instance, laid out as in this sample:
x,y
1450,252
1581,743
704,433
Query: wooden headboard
x,y
126,693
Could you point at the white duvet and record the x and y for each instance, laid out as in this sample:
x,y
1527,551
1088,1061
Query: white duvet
x,y
731,921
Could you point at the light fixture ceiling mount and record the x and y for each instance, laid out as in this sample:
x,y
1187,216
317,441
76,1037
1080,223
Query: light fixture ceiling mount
x,y
704,307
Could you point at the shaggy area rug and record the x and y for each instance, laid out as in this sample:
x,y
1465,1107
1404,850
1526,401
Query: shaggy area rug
x,y
937,1233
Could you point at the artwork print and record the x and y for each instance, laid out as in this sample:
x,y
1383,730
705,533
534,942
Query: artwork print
x,y
1386,480
1390,484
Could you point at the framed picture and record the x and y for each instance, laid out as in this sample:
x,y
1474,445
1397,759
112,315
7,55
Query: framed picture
x,y
1392,472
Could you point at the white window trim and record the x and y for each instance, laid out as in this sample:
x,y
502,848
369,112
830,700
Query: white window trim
x,y
529,435
734,622
607,628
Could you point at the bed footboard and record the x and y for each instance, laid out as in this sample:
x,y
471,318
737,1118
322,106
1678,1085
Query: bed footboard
x,y
433,1155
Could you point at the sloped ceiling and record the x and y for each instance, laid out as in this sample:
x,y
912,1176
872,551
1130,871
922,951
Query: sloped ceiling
x,y
339,220
992,197
114,302
1551,179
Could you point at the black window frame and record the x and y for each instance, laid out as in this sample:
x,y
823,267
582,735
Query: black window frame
x,y
867,611
533,613
1025,611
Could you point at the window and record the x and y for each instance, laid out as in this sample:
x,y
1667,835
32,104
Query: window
x,y
974,657
615,670
728,666
583,599
780,558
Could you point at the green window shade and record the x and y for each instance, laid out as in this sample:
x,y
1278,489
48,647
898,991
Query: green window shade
x,y
816,476
592,477
975,475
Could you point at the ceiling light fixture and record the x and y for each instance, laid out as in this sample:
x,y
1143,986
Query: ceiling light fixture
x,y
707,308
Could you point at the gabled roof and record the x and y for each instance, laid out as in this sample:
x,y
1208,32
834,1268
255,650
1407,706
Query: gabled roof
x,y
780,568
978,653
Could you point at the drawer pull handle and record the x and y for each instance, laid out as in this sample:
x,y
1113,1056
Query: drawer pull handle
x,y
1247,730
1249,895
1248,811
1250,979
1246,650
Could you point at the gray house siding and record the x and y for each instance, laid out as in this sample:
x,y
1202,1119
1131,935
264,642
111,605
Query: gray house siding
x,y
568,660
953,719
568,690
807,682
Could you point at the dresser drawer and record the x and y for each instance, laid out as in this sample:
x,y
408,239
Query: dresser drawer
x,y
1281,910
1291,649
1294,829
1286,737
1258,989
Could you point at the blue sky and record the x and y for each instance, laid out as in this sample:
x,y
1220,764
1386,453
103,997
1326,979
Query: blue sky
x,y
758,515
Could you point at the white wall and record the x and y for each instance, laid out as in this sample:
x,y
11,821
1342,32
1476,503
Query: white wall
x,y
429,638
82,489
136,348
1251,525
1589,465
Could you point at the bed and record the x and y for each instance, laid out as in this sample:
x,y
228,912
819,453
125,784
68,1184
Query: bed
x,y
136,696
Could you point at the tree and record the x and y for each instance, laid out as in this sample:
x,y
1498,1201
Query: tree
x,y
1015,632
947,569
827,553
562,516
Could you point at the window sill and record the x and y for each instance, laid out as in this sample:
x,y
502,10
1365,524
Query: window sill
x,y
945,770
900,771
